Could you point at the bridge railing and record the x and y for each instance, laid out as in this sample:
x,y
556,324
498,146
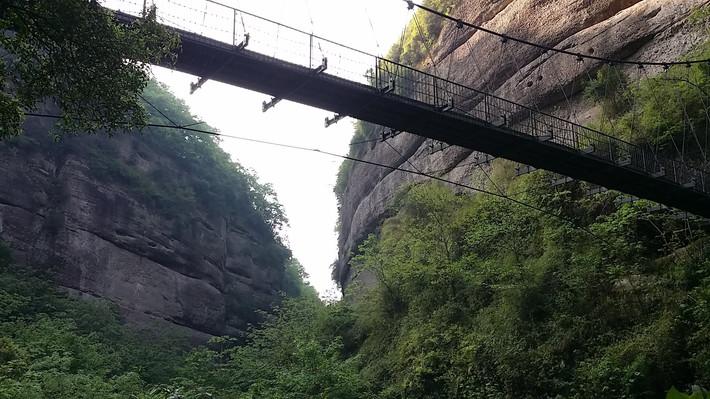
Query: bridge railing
x,y
218,21
449,96
221,22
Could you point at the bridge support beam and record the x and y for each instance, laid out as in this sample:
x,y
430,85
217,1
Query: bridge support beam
x,y
335,119
283,80
265,106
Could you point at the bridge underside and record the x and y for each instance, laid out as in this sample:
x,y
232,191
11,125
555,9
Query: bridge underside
x,y
224,63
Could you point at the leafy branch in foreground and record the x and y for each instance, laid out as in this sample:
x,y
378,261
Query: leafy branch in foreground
x,y
698,393
75,53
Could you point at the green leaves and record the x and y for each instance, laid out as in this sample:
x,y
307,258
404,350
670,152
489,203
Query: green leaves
x,y
420,35
52,346
71,53
296,353
698,393
525,306
610,88
665,109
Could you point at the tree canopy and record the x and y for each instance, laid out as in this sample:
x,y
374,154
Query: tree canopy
x,y
74,54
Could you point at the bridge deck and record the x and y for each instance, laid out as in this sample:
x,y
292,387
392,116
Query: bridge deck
x,y
204,57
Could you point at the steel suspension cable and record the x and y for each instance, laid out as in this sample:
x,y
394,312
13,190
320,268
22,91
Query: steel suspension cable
x,y
688,119
503,36
657,103
426,44
372,28
451,54
536,208
561,87
406,159
606,91
157,109
679,150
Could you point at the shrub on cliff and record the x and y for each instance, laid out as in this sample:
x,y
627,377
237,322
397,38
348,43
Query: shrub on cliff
x,y
667,110
54,346
483,298
299,352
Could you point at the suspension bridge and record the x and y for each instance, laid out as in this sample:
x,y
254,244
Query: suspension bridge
x,y
242,49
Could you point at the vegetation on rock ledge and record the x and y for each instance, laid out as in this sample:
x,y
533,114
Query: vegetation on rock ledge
x,y
483,298
477,297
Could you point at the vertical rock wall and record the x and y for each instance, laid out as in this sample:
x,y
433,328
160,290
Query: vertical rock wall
x,y
206,274
617,29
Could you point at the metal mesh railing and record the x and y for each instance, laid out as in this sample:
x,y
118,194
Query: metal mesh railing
x,y
426,88
226,24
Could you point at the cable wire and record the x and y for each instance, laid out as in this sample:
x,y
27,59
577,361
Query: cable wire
x,y
158,110
406,159
426,44
549,48
563,218
365,141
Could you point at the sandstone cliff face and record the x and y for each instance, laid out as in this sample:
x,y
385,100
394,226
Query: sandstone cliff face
x,y
206,275
617,29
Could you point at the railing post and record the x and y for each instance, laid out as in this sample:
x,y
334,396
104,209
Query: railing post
x,y
485,108
575,138
611,150
376,83
436,94
310,51
234,28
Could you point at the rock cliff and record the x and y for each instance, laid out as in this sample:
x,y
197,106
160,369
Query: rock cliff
x,y
84,210
618,29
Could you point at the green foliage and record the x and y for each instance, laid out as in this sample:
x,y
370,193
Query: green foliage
x,y
73,52
667,110
698,393
219,183
298,352
56,347
477,297
484,298
341,180
609,88
296,281
52,346
668,100
700,15
200,174
420,35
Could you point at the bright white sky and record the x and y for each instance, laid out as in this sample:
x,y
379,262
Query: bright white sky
x,y
303,180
